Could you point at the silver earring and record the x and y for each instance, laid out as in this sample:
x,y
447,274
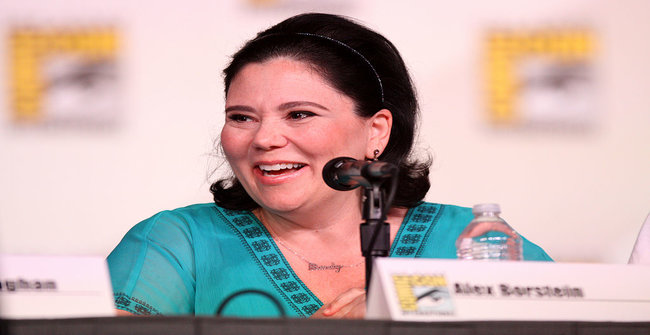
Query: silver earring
x,y
376,152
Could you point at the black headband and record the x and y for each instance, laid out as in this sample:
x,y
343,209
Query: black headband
x,y
354,51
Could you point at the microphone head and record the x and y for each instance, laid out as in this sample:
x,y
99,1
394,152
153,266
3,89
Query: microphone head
x,y
331,177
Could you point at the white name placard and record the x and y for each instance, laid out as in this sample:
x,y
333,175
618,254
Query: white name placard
x,y
54,287
454,290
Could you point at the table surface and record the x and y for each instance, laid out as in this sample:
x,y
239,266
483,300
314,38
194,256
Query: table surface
x,y
214,325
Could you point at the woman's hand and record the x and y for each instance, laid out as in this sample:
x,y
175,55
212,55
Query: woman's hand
x,y
351,304
119,312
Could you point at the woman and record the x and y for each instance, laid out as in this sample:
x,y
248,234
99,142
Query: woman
x,y
307,90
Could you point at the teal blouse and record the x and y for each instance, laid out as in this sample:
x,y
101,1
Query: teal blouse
x,y
189,260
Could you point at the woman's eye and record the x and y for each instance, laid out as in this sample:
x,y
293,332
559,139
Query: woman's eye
x,y
300,115
238,117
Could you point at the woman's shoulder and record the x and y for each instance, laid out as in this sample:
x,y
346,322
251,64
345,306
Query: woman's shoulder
x,y
179,230
188,218
453,214
425,204
193,212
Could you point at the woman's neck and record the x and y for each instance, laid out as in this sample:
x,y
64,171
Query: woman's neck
x,y
321,222
337,227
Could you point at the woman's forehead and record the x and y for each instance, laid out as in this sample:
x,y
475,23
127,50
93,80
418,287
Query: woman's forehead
x,y
282,75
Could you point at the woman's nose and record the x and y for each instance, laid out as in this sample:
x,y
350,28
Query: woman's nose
x,y
268,136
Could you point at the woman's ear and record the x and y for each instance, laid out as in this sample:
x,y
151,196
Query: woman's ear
x,y
380,128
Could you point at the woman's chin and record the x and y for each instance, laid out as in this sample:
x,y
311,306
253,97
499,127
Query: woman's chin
x,y
283,206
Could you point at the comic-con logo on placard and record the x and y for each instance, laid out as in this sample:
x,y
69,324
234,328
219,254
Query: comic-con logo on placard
x,y
423,294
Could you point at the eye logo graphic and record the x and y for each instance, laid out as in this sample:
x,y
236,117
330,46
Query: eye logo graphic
x,y
65,75
541,77
423,294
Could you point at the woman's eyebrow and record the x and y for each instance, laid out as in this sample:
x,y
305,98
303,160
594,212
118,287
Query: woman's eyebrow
x,y
293,104
240,108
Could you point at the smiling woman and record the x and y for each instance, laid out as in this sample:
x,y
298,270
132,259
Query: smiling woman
x,y
309,89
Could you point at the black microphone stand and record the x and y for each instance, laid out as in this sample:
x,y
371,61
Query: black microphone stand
x,y
375,232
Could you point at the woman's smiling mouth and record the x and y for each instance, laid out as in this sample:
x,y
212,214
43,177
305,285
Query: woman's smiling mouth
x,y
279,168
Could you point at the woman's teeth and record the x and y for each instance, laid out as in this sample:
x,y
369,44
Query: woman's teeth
x,y
279,168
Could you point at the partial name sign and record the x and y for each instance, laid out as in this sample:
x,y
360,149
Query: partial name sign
x,y
54,287
454,290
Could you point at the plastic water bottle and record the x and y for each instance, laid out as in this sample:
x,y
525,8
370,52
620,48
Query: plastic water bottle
x,y
489,237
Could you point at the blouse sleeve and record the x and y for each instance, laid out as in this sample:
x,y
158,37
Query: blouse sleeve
x,y
152,268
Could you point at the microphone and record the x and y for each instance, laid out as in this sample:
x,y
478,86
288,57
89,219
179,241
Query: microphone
x,y
345,173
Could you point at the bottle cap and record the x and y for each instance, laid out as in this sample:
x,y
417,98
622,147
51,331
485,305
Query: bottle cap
x,y
482,208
